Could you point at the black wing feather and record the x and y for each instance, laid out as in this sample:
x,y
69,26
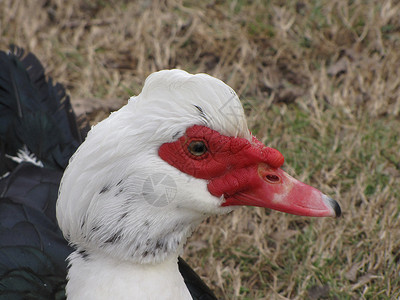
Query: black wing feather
x,y
197,288
34,112
33,251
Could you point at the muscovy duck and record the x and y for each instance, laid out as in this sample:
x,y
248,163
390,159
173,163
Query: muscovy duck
x,y
146,176
38,135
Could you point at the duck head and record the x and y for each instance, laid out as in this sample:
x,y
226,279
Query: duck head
x,y
177,153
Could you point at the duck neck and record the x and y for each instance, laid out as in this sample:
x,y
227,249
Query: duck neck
x,y
102,277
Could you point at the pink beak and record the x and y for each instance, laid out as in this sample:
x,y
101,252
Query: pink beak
x,y
273,188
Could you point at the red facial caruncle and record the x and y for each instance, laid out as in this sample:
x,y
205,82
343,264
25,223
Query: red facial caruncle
x,y
244,172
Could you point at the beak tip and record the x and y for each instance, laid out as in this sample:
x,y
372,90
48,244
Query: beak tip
x,y
334,205
338,210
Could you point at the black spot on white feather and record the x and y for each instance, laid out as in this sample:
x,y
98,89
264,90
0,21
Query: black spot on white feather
x,y
105,189
176,134
123,216
202,113
178,226
119,182
199,108
83,222
159,245
82,253
119,192
95,228
165,247
115,238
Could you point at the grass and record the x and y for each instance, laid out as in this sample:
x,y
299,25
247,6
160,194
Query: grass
x,y
320,81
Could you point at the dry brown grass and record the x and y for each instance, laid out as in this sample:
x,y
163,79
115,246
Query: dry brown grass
x,y
320,81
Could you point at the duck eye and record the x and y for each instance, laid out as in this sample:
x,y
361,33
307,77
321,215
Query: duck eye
x,y
197,148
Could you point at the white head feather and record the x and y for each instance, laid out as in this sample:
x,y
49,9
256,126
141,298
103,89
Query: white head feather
x,y
109,198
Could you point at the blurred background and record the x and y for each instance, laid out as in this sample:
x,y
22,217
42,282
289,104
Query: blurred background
x,y
319,80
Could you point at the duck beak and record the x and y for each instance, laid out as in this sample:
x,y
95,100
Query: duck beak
x,y
275,189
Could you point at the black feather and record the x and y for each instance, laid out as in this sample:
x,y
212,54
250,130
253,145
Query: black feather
x,y
32,248
197,288
34,112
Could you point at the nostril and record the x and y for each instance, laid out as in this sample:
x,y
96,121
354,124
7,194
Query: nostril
x,y
272,178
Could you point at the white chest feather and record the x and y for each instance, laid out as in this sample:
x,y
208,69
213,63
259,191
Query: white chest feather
x,y
92,278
